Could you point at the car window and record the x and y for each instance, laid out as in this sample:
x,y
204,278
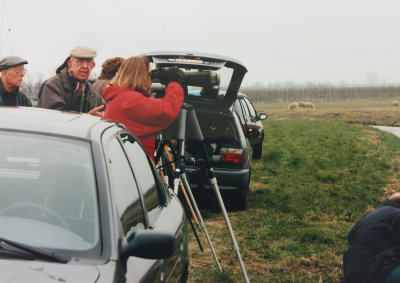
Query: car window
x,y
245,108
252,111
124,189
240,134
145,176
239,110
48,188
219,130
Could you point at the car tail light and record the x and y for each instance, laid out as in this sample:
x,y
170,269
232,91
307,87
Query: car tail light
x,y
232,155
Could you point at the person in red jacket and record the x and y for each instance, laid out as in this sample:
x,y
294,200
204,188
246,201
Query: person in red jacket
x,y
129,101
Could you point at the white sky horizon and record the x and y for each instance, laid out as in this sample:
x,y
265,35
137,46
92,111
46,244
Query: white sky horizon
x,y
278,41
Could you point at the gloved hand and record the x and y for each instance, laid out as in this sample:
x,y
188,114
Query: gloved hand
x,y
176,75
161,75
166,76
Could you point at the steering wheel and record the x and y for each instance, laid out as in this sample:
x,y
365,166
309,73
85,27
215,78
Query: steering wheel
x,y
30,205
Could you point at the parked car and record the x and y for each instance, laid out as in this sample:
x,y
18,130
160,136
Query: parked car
x,y
82,202
211,85
251,123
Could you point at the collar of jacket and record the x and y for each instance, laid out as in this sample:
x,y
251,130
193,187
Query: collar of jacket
x,y
69,81
388,202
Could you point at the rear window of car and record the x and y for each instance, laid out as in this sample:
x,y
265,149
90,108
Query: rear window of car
x,y
210,84
219,130
201,82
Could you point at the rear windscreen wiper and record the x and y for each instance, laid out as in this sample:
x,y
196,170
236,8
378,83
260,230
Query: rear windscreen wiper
x,y
36,252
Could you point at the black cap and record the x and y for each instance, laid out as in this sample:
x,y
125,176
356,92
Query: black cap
x,y
11,61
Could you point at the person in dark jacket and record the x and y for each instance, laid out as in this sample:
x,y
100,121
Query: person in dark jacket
x,y
12,70
70,90
129,101
374,245
108,71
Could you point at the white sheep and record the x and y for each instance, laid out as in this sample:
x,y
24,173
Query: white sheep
x,y
309,105
292,105
301,104
395,103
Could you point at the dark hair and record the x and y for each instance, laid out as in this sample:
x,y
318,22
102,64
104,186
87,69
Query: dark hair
x,y
63,65
110,67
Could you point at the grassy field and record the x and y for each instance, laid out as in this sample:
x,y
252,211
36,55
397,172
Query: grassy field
x,y
318,175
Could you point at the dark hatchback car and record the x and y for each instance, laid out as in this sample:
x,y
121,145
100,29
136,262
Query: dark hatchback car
x,y
82,202
211,86
251,122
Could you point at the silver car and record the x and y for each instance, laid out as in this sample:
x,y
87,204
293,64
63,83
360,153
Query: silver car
x,y
82,202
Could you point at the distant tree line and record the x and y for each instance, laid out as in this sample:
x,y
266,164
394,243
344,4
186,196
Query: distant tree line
x,y
30,86
317,92
275,93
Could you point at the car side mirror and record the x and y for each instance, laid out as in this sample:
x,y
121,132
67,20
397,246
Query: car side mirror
x,y
150,244
262,116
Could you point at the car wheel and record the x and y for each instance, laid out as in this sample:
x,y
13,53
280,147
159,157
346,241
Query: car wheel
x,y
257,149
239,201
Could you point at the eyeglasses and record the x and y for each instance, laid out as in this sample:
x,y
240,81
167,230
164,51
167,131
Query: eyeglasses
x,y
82,61
18,71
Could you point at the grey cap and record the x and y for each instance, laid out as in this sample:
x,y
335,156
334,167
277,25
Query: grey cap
x,y
83,52
11,61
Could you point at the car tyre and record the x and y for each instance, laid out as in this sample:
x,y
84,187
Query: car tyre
x,y
239,201
257,149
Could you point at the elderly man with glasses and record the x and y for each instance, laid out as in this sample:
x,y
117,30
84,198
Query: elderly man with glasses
x,y
70,90
12,70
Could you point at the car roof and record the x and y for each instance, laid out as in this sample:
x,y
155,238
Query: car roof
x,y
241,95
47,121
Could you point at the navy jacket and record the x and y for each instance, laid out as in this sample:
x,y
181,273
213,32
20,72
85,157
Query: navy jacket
x,y
14,98
374,245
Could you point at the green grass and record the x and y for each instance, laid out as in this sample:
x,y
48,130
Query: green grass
x,y
315,179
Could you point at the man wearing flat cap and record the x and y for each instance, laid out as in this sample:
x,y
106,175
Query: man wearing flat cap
x,y
70,90
12,72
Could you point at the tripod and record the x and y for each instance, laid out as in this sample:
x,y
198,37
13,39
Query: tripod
x,y
186,191
187,119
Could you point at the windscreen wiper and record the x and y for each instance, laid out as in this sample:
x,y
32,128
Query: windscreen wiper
x,y
36,252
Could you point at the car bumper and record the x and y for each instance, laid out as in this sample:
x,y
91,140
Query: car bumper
x,y
227,179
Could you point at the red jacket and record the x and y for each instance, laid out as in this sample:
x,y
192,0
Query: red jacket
x,y
141,115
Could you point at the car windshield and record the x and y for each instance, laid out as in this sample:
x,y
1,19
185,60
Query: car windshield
x,y
48,192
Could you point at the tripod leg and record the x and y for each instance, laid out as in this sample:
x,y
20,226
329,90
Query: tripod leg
x,y
201,220
166,150
181,176
215,187
187,207
193,228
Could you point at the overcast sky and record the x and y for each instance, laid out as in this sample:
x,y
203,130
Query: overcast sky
x,y
317,41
